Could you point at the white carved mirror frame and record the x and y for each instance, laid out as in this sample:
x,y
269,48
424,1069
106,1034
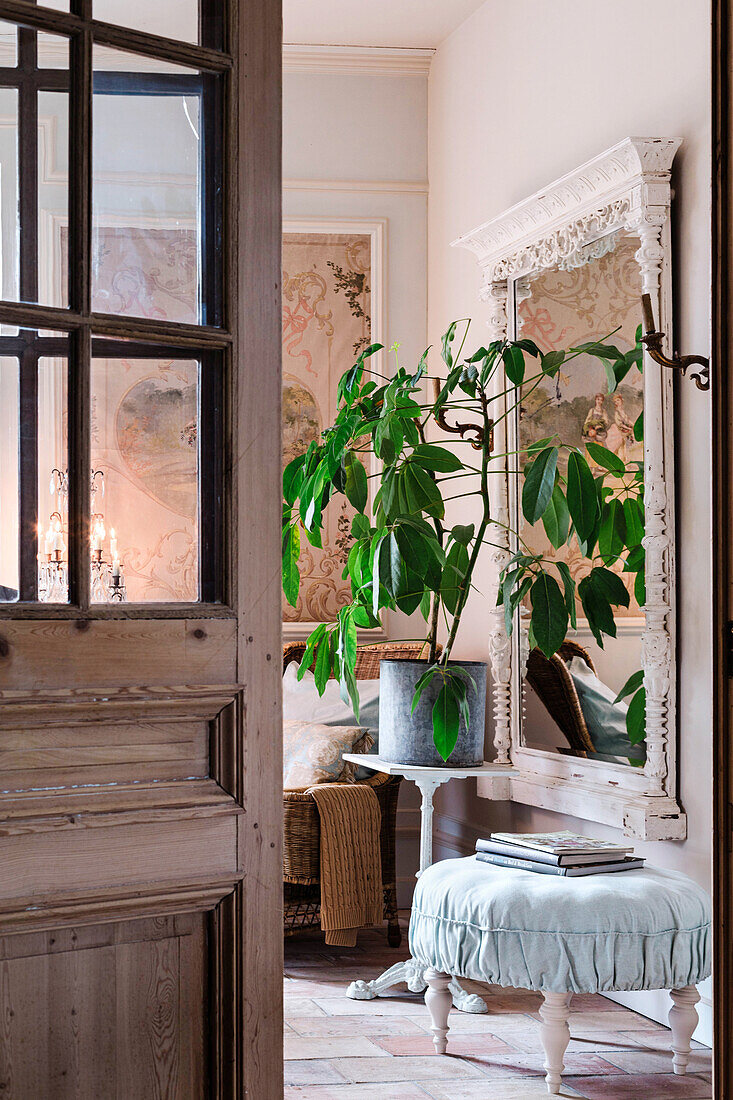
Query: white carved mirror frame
x,y
627,189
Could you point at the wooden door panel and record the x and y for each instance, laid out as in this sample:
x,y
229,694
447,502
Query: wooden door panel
x,y
82,756
65,653
124,1011
45,863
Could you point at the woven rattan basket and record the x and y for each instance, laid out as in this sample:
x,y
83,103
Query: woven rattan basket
x,y
301,824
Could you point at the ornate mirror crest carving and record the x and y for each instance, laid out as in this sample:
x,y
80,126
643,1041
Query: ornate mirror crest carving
x,y
623,193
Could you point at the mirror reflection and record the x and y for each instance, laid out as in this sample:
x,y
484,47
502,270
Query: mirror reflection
x,y
588,699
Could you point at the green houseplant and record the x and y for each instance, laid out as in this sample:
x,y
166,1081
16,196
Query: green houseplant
x,y
405,556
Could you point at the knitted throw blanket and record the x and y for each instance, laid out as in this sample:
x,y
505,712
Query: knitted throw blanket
x,y
351,867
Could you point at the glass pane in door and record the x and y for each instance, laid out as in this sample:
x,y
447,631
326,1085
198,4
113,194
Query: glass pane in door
x,y
184,20
53,479
34,138
156,233
145,462
9,479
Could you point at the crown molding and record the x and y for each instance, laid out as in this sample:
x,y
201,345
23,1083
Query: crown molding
x,y
414,187
602,195
357,60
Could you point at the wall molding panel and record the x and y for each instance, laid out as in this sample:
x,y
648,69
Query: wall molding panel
x,y
357,60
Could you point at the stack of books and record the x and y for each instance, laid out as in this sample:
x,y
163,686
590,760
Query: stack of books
x,y
557,854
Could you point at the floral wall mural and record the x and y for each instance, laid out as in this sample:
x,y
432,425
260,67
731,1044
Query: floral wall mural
x,y
326,323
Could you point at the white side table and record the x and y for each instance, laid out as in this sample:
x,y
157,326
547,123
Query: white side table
x,y
427,780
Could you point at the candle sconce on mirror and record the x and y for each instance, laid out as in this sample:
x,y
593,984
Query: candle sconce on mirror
x,y
653,340
566,266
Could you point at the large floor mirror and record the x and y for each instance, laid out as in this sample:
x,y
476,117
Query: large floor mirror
x,y
592,729
570,703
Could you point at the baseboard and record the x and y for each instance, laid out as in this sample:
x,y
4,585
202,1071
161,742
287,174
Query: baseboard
x,y
454,836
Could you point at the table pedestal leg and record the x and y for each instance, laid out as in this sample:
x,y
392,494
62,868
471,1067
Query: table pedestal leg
x,y
411,971
413,974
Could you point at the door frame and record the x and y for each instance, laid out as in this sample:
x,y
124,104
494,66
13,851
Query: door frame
x,y
257,319
722,440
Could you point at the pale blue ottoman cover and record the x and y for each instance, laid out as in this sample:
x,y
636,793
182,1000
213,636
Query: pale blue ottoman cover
x,y
647,929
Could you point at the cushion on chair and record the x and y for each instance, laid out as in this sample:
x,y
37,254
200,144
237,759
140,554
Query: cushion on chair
x,y
313,753
647,929
302,701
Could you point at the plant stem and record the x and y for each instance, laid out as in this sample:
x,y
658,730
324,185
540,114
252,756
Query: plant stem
x,y
479,538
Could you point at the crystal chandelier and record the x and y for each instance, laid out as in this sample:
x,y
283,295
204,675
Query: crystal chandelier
x,y
107,580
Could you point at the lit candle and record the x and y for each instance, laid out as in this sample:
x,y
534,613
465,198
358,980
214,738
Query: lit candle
x,y
58,542
116,570
49,539
113,542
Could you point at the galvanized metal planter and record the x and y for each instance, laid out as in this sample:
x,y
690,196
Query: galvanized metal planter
x,y
406,738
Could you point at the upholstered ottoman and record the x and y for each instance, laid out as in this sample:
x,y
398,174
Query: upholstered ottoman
x,y
646,929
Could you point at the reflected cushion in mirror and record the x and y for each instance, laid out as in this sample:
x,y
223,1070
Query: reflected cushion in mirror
x,y
605,719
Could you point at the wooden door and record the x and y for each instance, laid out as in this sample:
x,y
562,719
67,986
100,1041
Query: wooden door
x,y
722,392
140,814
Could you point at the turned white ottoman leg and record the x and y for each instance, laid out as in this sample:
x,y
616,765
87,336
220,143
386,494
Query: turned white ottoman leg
x,y
683,1020
555,1035
439,1001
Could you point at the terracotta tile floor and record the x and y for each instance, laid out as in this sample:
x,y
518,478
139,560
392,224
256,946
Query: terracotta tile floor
x,y
337,1049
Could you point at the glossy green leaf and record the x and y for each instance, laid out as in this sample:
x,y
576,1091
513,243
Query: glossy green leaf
x,y
290,557
445,344
607,459
612,532
556,518
514,364
636,718
640,588
360,527
322,667
634,519
529,346
549,614
569,589
454,575
639,427
446,720
438,459
422,494
310,645
597,610
410,591
610,586
422,683
633,684
463,533
582,495
293,479
538,484
356,486
551,362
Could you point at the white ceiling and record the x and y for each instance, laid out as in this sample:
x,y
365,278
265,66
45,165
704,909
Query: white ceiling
x,y
417,23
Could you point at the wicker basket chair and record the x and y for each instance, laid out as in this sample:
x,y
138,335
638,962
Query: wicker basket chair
x,y
557,692
301,827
